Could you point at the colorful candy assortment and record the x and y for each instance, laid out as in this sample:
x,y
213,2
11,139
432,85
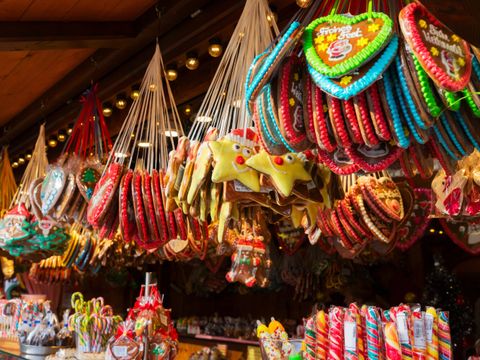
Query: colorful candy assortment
x,y
93,323
400,333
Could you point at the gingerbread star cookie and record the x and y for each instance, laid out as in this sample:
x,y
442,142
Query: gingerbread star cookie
x,y
230,155
283,170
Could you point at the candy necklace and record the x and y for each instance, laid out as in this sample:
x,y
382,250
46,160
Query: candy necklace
x,y
390,106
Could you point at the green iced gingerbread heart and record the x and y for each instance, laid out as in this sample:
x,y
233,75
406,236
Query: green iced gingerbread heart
x,y
336,45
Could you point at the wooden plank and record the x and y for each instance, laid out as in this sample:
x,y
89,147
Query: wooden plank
x,y
12,10
33,75
35,35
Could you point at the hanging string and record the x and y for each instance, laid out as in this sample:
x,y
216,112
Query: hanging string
x,y
224,104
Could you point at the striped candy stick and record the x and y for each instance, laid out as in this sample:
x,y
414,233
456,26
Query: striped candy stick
x,y
419,345
350,335
444,339
335,333
310,339
401,316
360,331
393,350
431,321
321,335
363,319
373,334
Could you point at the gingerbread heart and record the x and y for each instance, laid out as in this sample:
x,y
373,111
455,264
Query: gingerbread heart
x,y
103,194
463,234
289,238
336,45
444,55
52,188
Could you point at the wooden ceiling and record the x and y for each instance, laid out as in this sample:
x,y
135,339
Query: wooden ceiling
x,y
51,51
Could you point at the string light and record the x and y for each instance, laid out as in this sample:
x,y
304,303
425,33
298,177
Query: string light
x,y
121,101
152,87
15,165
70,129
215,48
272,16
172,73
61,136
304,3
432,230
440,232
187,110
135,93
192,62
28,156
21,160
52,142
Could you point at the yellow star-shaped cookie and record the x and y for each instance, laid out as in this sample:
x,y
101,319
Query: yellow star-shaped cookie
x,y
455,38
202,166
434,51
230,163
422,23
291,102
283,170
461,62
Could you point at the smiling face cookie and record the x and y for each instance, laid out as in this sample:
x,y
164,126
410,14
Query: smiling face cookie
x,y
230,155
283,170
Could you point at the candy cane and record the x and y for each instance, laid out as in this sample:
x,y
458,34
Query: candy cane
x,y
431,320
444,339
321,335
335,333
372,328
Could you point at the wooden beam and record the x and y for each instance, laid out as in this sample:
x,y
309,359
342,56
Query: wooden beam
x,y
173,42
38,35
97,67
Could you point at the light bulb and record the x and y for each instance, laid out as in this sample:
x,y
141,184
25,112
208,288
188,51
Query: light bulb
x,y
192,62
61,136
28,156
172,73
121,102
52,142
15,165
187,110
215,48
21,161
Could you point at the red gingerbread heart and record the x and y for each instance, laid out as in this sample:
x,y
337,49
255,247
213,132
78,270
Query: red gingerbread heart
x,y
444,55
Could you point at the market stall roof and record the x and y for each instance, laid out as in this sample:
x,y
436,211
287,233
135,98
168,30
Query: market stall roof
x,y
50,52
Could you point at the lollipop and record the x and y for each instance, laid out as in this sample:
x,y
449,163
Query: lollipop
x,y
310,339
392,344
321,337
444,340
360,331
431,321
268,344
373,333
279,334
350,335
419,343
335,333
